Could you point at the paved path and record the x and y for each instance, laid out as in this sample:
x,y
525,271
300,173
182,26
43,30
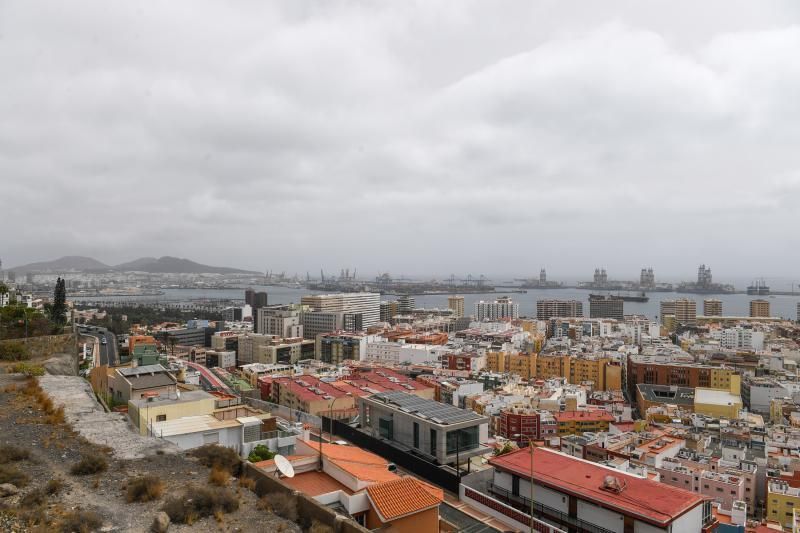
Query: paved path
x,y
86,416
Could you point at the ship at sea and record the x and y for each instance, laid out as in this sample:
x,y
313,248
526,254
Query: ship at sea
x,y
758,288
640,297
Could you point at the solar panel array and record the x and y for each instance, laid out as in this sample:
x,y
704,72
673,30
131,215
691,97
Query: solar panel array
x,y
440,413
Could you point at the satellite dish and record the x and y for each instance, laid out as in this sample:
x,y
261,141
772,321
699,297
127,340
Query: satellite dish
x,y
284,466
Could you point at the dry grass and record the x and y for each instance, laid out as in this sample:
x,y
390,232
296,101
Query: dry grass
x,y
80,522
54,486
247,483
319,527
88,465
283,505
53,415
199,502
144,489
34,498
12,474
219,476
11,454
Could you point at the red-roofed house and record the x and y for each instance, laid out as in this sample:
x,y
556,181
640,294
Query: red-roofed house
x,y
578,495
404,504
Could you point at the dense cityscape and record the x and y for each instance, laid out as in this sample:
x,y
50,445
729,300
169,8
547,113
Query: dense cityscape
x,y
463,411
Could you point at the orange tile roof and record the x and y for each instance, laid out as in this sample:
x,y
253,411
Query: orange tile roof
x,y
401,497
359,463
315,483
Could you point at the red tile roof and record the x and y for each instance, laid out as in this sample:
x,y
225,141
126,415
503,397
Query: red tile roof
x,y
648,500
401,497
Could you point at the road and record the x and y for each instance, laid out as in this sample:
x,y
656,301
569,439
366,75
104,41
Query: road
x,y
109,353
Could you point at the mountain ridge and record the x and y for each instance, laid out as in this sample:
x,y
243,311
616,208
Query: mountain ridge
x,y
161,265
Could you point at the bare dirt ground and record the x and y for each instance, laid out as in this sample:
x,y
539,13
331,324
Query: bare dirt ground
x,y
55,447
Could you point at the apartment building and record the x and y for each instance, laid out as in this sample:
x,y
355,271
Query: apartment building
x,y
684,311
712,307
521,423
658,370
606,307
500,309
759,308
547,309
580,422
337,347
456,305
367,304
278,320
782,500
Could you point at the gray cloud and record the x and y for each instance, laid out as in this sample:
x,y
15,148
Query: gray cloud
x,y
414,137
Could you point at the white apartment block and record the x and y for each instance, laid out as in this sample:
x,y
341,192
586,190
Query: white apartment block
x,y
499,309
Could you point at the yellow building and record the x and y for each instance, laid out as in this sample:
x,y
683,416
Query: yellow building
x,y
782,500
521,364
552,366
496,361
580,422
715,402
143,412
613,377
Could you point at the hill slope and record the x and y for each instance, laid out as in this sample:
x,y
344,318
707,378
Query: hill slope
x,y
68,262
175,265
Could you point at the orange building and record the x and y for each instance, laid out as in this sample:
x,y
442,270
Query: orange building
x,y
404,505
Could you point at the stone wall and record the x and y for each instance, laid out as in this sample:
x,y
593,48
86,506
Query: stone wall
x,y
46,346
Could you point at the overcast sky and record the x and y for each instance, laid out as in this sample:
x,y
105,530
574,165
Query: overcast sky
x,y
409,137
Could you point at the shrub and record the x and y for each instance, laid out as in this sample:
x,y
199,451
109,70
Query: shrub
x,y
80,522
260,453
54,486
88,465
199,502
27,369
10,453
144,489
282,504
212,455
14,351
219,476
34,498
13,475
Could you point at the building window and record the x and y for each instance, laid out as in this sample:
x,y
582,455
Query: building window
x,y
161,418
462,440
433,441
386,428
416,435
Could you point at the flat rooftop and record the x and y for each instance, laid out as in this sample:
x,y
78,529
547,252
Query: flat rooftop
x,y
667,394
716,397
432,410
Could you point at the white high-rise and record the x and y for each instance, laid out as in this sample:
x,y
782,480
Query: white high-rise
x,y
368,304
499,309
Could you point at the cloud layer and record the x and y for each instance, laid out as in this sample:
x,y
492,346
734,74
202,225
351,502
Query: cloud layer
x,y
411,137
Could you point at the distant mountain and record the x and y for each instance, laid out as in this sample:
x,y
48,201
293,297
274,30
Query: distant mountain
x,y
175,265
63,264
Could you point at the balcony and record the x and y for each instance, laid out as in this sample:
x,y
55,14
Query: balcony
x,y
545,512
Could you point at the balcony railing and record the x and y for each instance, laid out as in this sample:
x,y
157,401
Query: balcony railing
x,y
545,511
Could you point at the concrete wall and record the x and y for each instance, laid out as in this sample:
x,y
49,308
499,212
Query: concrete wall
x,y
307,508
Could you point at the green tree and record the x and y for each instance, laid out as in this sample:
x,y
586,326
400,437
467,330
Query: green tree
x,y
260,453
58,311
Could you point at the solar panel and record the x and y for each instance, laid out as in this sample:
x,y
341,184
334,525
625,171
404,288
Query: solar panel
x,y
429,409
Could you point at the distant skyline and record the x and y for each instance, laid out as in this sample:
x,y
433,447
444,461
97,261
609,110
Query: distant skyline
x,y
417,138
